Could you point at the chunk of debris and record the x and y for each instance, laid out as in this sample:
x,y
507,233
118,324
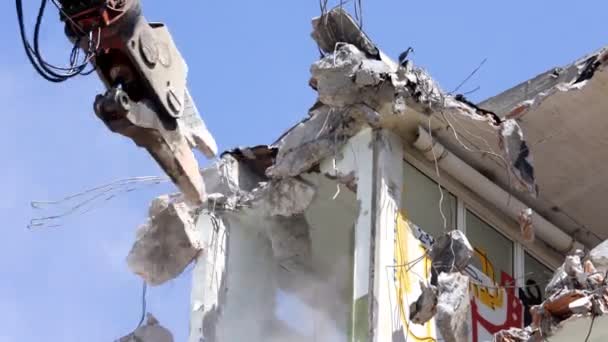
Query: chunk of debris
x,y
453,306
599,257
165,245
425,307
452,252
596,278
582,305
558,305
568,275
159,204
574,268
525,225
559,280
337,26
152,331
308,143
576,291
519,158
514,335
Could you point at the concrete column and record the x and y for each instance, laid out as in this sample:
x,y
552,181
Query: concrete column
x,y
375,158
356,159
233,289
386,203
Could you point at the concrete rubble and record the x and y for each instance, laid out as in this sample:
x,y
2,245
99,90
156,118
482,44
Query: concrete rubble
x,y
425,307
451,252
578,290
453,304
447,297
151,331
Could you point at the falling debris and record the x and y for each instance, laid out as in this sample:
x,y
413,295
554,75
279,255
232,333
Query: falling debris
x,y
166,244
448,302
425,307
152,331
451,252
453,306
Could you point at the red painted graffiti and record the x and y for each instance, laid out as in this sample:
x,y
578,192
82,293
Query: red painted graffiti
x,y
514,315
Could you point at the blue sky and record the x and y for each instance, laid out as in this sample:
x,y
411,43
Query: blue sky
x,y
249,68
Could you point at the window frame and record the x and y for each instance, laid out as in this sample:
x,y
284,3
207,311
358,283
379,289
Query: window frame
x,y
467,200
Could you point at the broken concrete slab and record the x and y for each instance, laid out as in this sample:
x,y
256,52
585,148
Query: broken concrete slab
x,y
336,27
334,76
451,252
425,307
165,245
453,304
318,137
152,331
518,101
355,71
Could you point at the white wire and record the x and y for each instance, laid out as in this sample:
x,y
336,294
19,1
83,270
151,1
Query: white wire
x,y
441,197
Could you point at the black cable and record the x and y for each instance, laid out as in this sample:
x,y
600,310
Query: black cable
x,y
48,71
46,67
28,47
590,329
73,70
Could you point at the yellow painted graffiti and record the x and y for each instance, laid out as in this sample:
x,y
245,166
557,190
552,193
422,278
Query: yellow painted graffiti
x,y
404,277
492,297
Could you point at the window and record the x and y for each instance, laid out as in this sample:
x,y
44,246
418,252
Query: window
x,y
493,251
498,260
421,202
536,276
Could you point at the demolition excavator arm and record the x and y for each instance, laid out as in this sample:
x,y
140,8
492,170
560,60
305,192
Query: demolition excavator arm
x,y
147,98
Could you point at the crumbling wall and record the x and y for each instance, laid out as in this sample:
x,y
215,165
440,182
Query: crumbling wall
x,y
255,234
